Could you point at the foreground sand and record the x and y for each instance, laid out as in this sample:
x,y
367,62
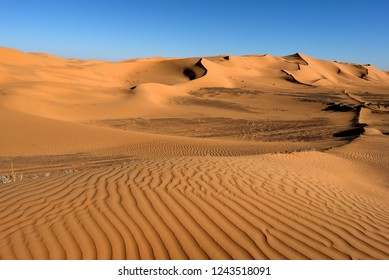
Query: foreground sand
x,y
133,160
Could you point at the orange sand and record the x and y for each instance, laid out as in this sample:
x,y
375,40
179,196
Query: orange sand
x,y
223,157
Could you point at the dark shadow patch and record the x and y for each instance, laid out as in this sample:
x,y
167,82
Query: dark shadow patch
x,y
199,64
189,73
365,73
351,133
192,73
338,108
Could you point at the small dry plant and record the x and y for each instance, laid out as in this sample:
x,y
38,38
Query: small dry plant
x,y
13,171
13,177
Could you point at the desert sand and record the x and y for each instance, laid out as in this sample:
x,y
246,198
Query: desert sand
x,y
224,157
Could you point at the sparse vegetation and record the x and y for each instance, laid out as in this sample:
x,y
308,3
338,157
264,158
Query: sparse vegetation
x,y
5,179
11,178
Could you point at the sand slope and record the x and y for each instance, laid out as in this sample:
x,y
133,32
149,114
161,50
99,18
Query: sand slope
x,y
276,206
225,157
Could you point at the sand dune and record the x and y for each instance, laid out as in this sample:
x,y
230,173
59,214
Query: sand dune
x,y
224,157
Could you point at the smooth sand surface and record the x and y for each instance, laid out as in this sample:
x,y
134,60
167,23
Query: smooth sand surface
x,y
225,157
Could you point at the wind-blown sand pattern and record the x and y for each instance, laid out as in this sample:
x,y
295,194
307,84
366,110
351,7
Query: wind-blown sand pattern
x,y
253,157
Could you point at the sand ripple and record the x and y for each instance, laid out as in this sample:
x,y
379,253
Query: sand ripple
x,y
194,208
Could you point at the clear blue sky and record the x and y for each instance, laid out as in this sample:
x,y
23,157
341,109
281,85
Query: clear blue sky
x,y
354,31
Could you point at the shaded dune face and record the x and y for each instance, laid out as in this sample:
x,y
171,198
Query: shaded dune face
x,y
224,157
195,72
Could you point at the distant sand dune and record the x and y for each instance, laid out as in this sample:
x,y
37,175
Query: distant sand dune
x,y
223,157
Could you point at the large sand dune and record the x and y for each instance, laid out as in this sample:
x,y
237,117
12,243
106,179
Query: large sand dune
x,y
225,157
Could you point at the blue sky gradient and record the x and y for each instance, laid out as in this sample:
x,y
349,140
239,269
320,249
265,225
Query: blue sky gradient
x,y
354,31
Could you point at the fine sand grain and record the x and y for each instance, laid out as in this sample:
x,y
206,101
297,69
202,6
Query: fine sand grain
x,y
225,157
